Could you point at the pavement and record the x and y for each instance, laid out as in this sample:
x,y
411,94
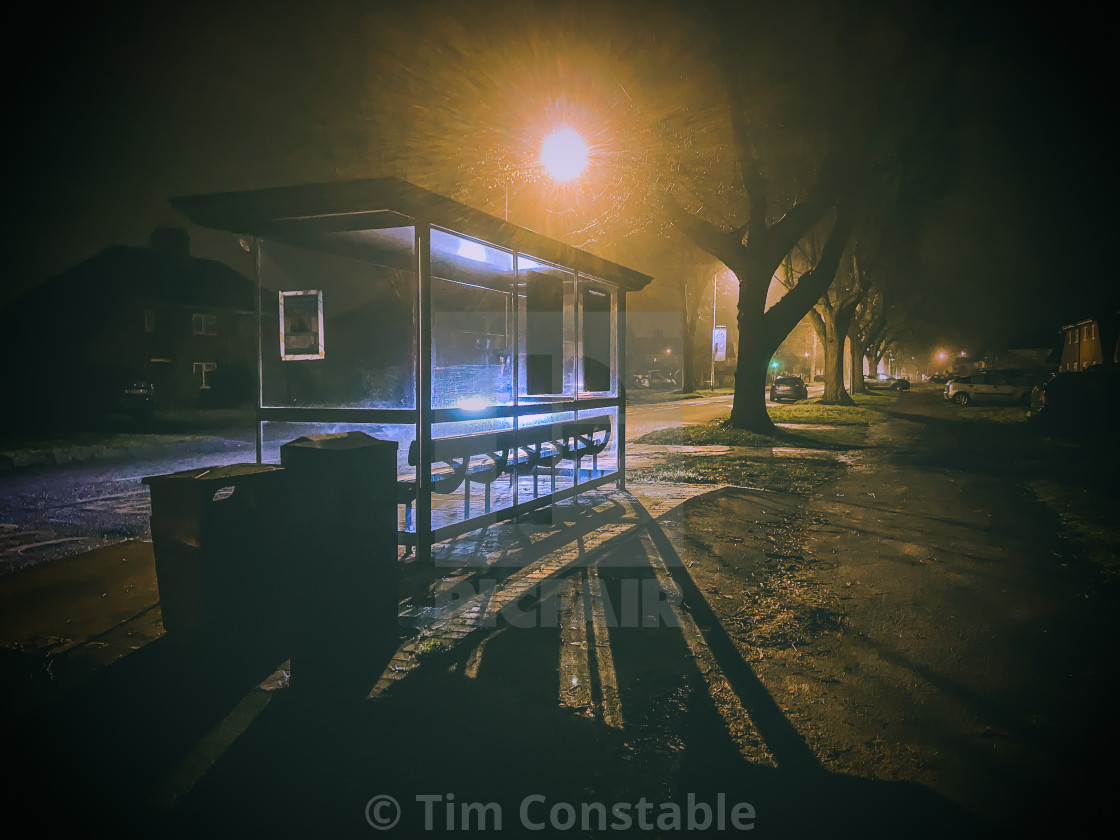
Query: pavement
x,y
935,671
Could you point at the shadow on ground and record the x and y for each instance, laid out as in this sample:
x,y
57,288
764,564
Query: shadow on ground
x,y
174,742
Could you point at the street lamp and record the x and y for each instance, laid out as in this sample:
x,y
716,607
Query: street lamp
x,y
564,154
715,299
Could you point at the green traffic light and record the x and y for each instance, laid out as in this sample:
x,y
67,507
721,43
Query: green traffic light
x,y
774,365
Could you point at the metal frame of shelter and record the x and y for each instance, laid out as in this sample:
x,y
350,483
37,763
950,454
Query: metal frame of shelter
x,y
368,208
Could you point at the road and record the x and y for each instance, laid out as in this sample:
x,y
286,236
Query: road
x,y
642,419
58,511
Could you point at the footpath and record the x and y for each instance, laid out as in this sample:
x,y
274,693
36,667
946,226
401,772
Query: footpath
x,y
906,651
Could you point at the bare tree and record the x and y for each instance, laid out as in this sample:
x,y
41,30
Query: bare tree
x,y
686,275
866,325
864,117
832,315
750,125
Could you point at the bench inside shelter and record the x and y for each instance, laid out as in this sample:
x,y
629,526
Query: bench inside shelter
x,y
484,457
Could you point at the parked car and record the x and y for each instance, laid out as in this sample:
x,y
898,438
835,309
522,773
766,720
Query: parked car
x,y
108,394
788,388
939,378
1078,401
657,379
987,387
1028,378
888,382
137,398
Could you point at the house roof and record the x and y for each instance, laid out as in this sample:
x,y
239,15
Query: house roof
x,y
382,203
125,272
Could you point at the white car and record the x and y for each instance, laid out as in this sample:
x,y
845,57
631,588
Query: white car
x,y
987,387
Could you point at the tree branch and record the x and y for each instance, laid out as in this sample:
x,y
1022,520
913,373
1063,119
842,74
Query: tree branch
x,y
785,233
750,170
726,246
783,316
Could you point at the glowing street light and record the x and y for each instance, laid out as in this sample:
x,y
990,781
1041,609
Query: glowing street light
x,y
564,154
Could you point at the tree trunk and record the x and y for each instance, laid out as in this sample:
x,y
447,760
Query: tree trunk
x,y
752,365
688,359
749,407
835,327
876,360
856,355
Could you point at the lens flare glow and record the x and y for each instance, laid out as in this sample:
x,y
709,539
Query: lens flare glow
x,y
564,154
473,403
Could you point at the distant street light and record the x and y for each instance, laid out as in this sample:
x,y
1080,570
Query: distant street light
x,y
564,154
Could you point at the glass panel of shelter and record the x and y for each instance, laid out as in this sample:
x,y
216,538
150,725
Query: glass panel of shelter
x,y
496,324
547,373
350,365
355,278
598,377
473,312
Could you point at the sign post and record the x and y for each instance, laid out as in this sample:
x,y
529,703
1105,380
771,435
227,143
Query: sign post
x,y
719,349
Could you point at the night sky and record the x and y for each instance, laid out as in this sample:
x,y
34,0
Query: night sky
x,y
115,107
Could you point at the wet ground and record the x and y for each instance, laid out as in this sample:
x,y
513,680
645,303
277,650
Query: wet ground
x,y
909,648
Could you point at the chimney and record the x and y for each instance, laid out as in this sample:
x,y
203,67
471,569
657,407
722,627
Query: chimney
x,y
171,242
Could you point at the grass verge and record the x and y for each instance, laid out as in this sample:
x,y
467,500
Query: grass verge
x,y
718,433
847,424
868,409
791,475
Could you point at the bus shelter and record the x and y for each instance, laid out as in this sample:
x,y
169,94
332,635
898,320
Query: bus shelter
x,y
493,355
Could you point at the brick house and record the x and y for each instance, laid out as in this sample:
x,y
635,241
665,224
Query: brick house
x,y
1092,341
184,323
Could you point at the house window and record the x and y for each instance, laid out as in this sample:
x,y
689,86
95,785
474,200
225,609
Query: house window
x,y
204,324
149,320
203,370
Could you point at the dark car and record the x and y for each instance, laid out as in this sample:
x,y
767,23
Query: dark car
x,y
1081,402
788,388
888,382
136,398
657,379
109,394
939,378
